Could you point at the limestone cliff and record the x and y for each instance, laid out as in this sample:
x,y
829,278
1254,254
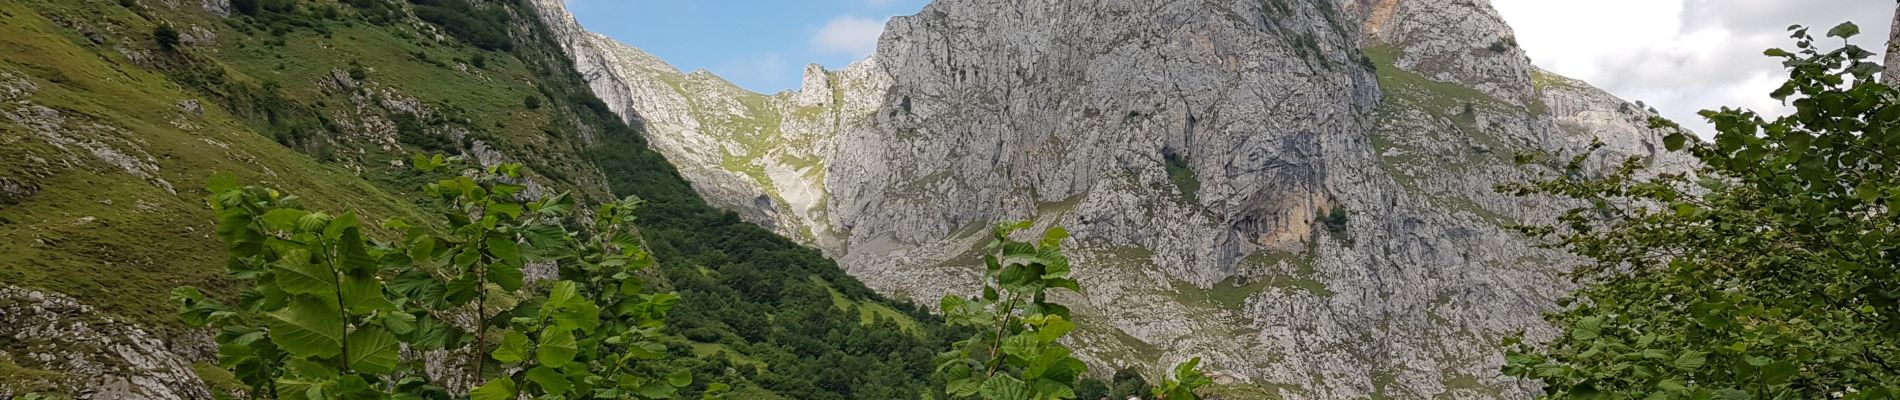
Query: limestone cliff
x,y
1299,191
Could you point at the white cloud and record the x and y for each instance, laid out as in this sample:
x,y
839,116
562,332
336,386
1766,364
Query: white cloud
x,y
1682,56
853,35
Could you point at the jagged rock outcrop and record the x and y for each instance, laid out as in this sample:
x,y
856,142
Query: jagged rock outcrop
x,y
1299,191
1892,75
71,346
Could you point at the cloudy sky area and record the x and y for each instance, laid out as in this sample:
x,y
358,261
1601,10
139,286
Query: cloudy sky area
x,y
1679,56
1682,56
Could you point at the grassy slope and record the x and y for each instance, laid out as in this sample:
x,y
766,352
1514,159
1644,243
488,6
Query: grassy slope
x,y
121,242
141,240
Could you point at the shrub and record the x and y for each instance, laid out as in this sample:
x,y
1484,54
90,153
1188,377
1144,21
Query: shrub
x,y
532,102
166,36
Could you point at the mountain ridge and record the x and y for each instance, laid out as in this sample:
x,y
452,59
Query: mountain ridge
x,y
1261,184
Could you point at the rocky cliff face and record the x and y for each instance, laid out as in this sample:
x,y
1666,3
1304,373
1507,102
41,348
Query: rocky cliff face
x,y
1297,190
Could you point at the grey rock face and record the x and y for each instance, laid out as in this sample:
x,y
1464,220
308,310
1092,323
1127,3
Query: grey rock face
x,y
1892,75
1298,191
97,357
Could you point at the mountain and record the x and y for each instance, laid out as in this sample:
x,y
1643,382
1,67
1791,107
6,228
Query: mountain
x,y
1299,191
114,113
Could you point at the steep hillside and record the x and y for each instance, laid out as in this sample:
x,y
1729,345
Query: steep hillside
x,y
112,114
1300,191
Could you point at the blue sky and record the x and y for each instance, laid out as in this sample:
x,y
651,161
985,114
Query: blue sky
x,y
762,45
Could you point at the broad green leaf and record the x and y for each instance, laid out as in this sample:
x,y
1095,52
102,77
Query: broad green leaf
x,y
283,218
504,249
1690,361
308,327
374,350
297,275
966,387
1021,345
334,230
513,348
1587,329
506,276
680,378
550,380
352,254
400,323
1778,372
364,294
1004,387
1844,30
577,314
501,388
557,348
1053,237
646,350
1054,329
1674,141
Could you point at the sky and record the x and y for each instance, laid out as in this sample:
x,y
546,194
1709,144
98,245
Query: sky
x,y
761,45
1679,56
1683,56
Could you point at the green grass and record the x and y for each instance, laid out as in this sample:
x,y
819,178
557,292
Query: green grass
x,y
870,312
1182,175
708,350
140,240
16,378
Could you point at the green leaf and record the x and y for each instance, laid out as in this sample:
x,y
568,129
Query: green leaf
x,y
498,389
513,349
308,327
364,294
337,226
647,350
297,275
1778,372
551,381
504,249
400,323
373,350
283,218
1054,329
1674,141
507,276
1053,237
557,348
1691,361
1022,345
1587,329
680,378
966,387
1844,30
1004,387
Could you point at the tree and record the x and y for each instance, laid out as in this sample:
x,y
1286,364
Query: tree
x,y
1014,353
329,308
166,36
1768,273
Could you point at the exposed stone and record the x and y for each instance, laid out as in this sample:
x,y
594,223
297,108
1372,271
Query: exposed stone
x,y
100,358
1892,74
1193,149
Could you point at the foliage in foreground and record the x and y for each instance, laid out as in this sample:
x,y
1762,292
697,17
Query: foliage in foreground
x,y
329,309
1014,353
1768,273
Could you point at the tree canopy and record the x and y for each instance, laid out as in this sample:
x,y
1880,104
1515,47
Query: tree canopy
x,y
1766,273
